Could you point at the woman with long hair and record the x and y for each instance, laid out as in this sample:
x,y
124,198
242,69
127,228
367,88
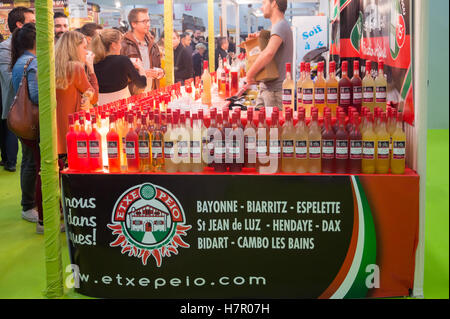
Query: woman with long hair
x,y
114,71
23,52
76,83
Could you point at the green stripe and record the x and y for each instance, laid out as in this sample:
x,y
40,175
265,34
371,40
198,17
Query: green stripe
x,y
407,84
359,288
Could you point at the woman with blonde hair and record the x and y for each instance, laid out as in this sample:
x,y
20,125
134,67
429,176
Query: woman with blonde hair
x,y
114,71
76,83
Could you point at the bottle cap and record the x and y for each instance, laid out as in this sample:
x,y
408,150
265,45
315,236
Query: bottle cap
x,y
70,119
219,118
368,65
156,119
302,67
194,116
261,116
356,65
288,67
332,66
308,67
380,65
344,66
143,119
200,114
130,118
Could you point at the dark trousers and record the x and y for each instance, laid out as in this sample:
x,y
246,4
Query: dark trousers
x,y
8,145
28,173
26,181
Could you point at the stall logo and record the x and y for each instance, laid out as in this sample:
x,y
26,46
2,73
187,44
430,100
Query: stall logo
x,y
149,221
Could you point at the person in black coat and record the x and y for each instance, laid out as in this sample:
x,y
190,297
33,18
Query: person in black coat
x,y
182,60
197,59
221,50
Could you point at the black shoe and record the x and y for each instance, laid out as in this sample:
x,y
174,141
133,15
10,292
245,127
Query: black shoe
x,y
10,168
2,163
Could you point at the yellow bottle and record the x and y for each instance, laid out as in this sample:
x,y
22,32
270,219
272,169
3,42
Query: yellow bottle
x,y
314,144
398,148
206,81
332,89
301,143
382,147
320,90
308,91
380,88
369,141
299,86
368,85
288,144
288,90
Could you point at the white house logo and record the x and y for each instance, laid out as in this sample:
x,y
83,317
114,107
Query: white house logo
x,y
148,221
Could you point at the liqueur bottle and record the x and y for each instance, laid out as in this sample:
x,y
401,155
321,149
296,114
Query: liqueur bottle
x,y
113,143
250,141
235,149
299,85
206,81
301,143
381,87
332,89
398,147
342,146
357,87
71,142
219,147
196,145
308,91
288,90
82,147
369,140
288,160
314,144
382,158
262,160
274,144
345,88
144,146
132,147
170,143
355,156
320,90
95,147
157,147
328,147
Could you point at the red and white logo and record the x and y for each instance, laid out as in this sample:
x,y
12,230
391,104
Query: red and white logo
x,y
149,221
400,32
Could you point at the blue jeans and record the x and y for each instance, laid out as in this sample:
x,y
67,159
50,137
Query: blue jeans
x,y
8,144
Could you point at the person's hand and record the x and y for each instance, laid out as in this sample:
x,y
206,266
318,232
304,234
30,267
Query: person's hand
x,y
250,79
152,73
160,73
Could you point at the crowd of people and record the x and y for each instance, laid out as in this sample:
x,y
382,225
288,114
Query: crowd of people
x,y
94,65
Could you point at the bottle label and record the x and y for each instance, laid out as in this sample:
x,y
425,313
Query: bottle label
x,y
157,151
319,95
234,149
383,150
368,94
82,149
168,150
183,149
357,95
381,94
314,149
250,144
275,148
308,96
398,151
196,149
368,150
94,149
341,149
345,94
332,95
327,149
301,149
113,149
299,96
287,97
124,145
261,148
219,150
355,150
288,148
143,149
130,150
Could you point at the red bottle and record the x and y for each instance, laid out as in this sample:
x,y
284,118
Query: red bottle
x,y
342,146
250,141
82,147
328,147
357,87
210,136
71,141
113,144
132,147
95,147
235,146
345,88
355,155
219,147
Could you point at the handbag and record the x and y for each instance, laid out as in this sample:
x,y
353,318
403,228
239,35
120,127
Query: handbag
x,y
23,117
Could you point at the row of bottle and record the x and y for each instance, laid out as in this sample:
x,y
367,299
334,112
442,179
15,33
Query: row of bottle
x,y
227,79
169,142
331,92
